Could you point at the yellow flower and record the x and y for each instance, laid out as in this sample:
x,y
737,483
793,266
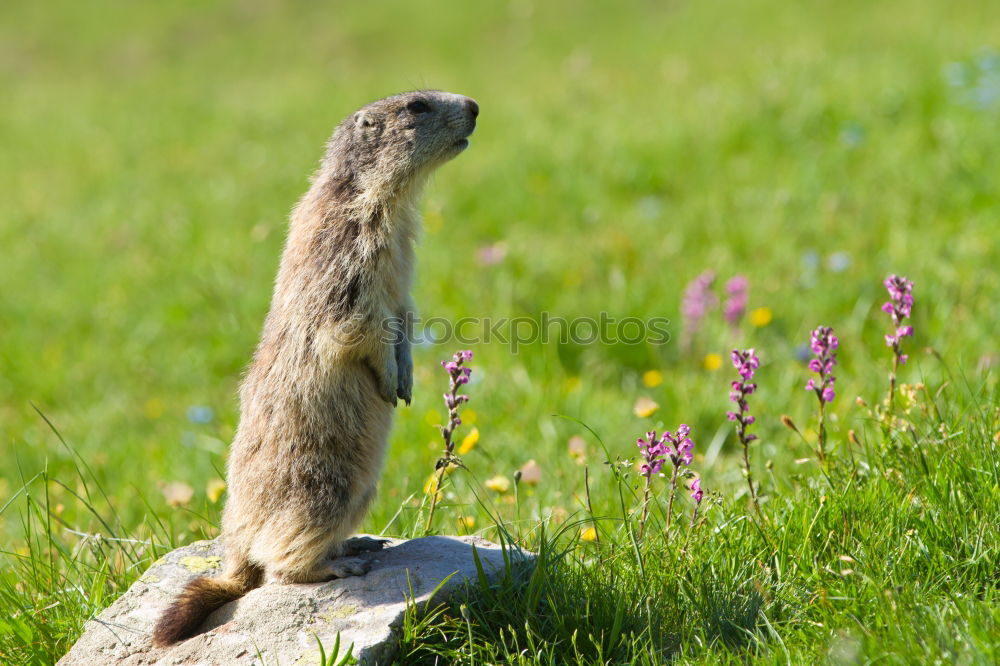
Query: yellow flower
x,y
214,490
761,317
645,407
652,378
468,522
469,441
153,409
589,534
712,361
431,484
498,483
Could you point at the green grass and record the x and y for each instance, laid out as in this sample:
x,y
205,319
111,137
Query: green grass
x,y
151,155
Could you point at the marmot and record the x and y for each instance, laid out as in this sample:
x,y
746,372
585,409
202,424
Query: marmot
x,y
316,403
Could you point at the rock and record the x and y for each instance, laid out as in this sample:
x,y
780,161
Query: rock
x,y
280,624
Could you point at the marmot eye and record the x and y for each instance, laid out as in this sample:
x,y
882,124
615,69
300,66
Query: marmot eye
x,y
418,106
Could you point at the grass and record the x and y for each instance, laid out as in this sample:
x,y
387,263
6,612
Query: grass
x,y
152,155
896,561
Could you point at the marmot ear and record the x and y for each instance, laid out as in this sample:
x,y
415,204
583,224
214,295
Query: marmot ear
x,y
361,120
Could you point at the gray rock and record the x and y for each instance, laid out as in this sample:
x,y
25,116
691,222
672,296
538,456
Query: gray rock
x,y
280,624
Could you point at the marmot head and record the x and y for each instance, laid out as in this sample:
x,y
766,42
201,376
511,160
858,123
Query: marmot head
x,y
390,144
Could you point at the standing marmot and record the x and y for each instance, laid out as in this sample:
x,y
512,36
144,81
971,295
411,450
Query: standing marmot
x,y
317,401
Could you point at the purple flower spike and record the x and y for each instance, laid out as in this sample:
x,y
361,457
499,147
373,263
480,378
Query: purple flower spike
x,y
459,374
699,299
696,492
678,448
656,451
901,292
746,363
737,296
652,451
824,344
898,307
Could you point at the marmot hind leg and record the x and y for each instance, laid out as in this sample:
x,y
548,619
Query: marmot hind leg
x,y
340,562
322,571
315,559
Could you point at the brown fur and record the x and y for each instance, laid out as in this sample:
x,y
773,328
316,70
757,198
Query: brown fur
x,y
316,404
198,599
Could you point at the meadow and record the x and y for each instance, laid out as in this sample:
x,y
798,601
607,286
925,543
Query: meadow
x,y
152,152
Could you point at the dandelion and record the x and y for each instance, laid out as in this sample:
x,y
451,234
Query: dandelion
x,y
498,484
736,300
698,301
712,361
469,441
645,407
214,490
652,378
823,344
458,374
746,363
898,308
589,534
153,409
761,317
431,485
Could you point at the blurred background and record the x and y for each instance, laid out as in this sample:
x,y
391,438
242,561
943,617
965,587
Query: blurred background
x,y
151,153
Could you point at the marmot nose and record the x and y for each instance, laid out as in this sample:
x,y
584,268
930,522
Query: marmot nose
x,y
472,107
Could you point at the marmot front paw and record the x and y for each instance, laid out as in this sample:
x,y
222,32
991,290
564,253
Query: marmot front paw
x,y
404,368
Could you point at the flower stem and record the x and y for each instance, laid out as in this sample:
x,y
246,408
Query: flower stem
x,y
670,502
645,507
822,430
590,508
746,468
438,480
892,379
459,376
691,526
